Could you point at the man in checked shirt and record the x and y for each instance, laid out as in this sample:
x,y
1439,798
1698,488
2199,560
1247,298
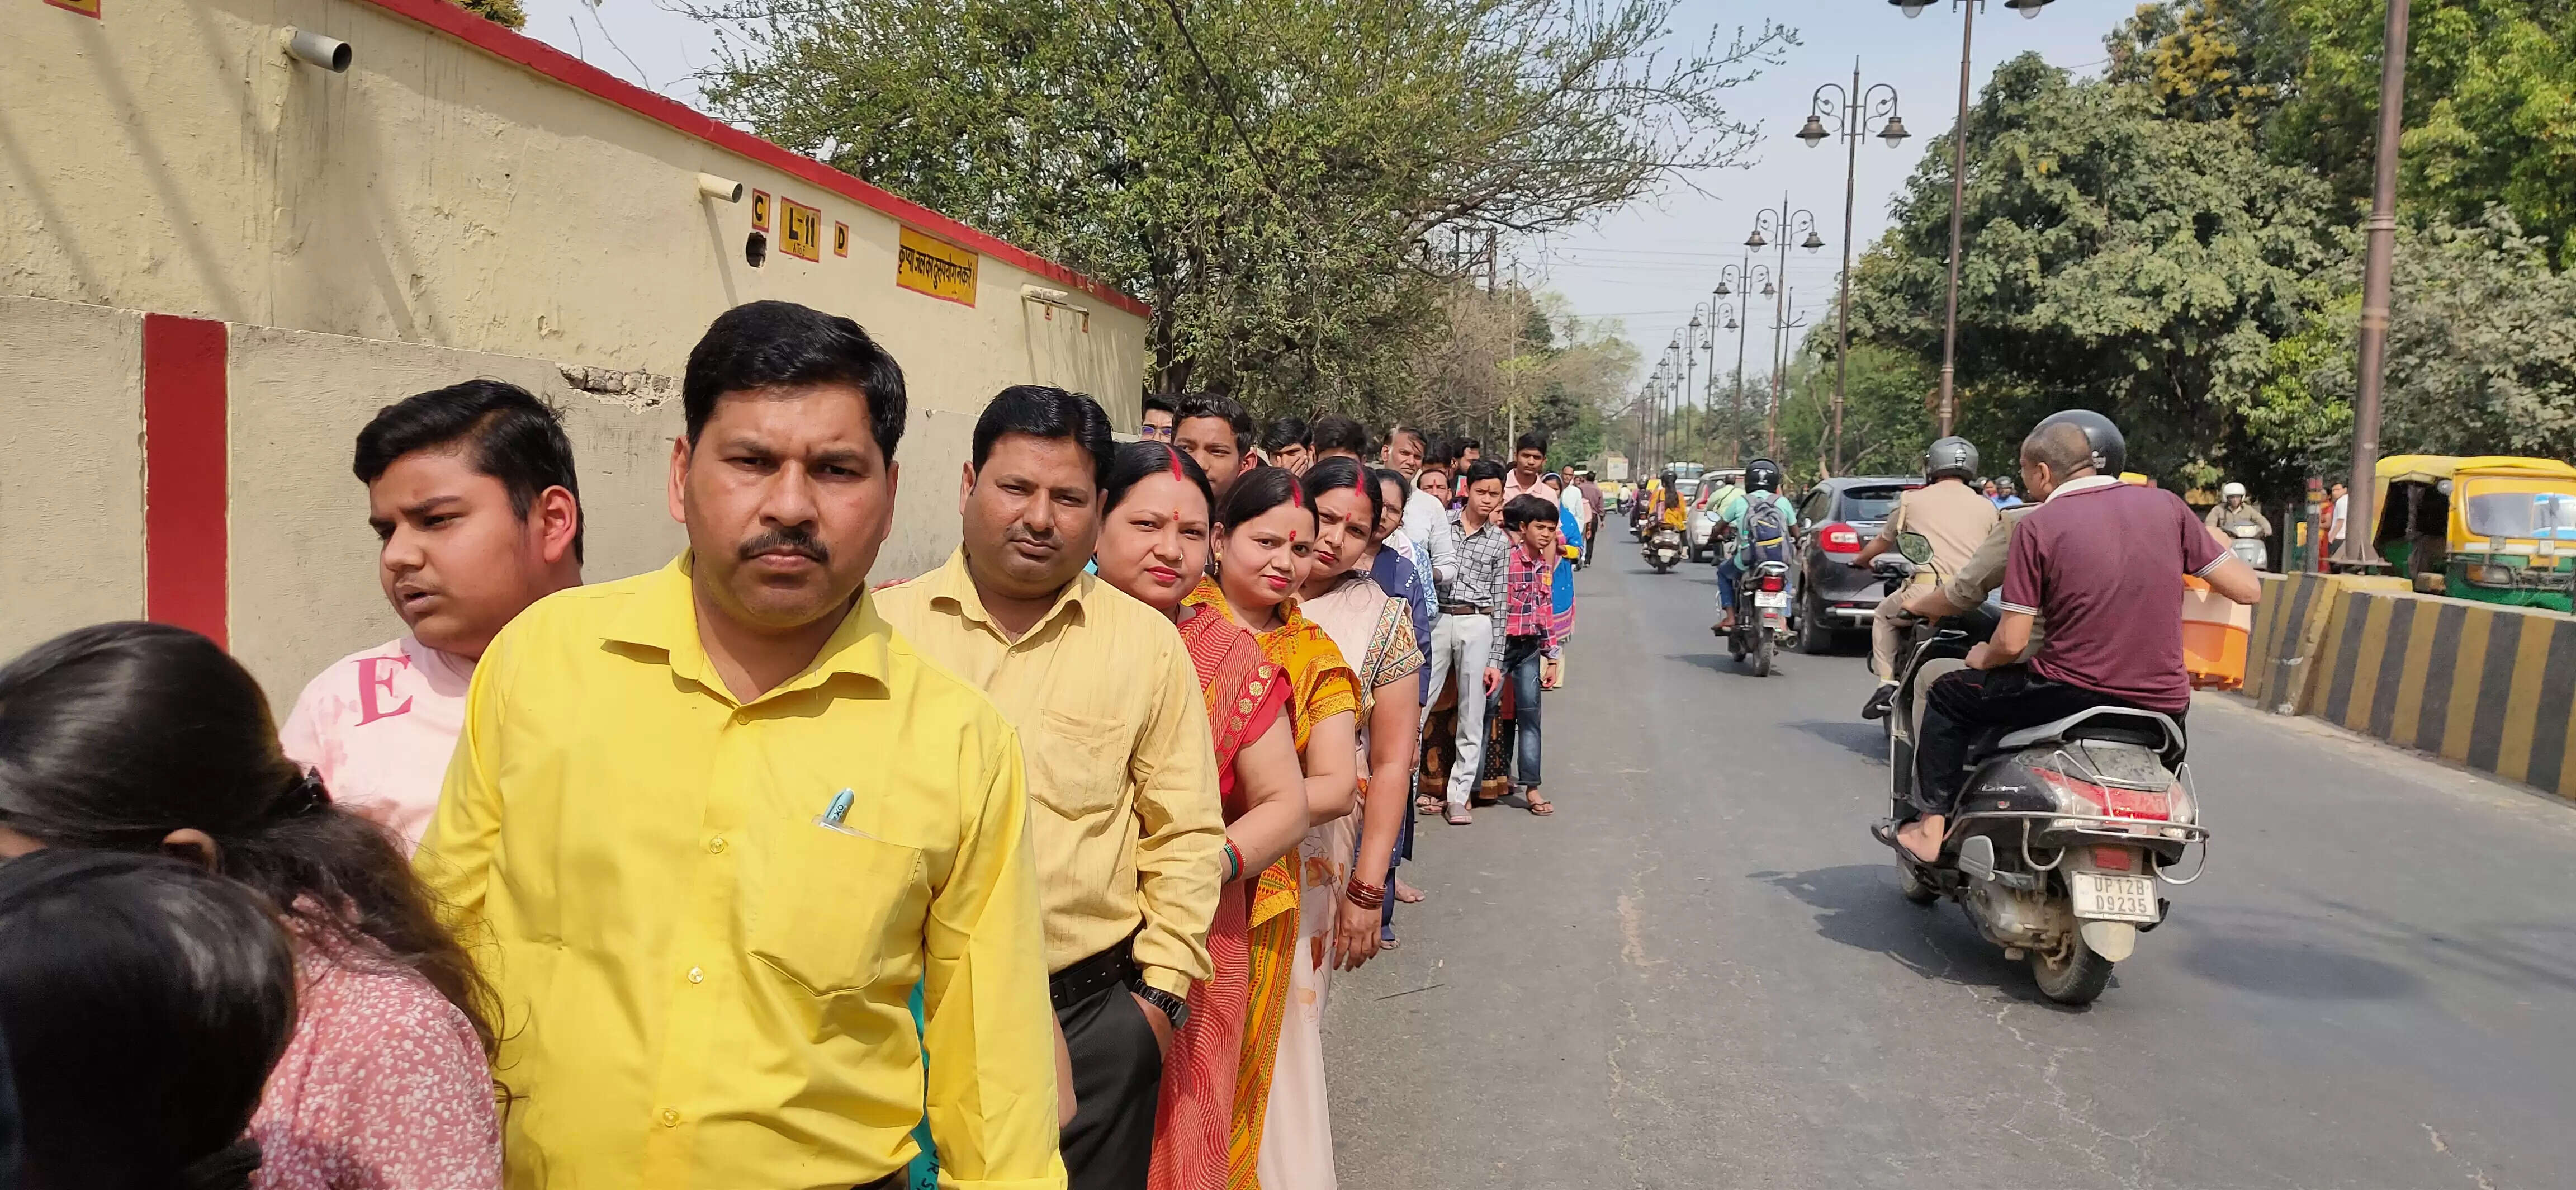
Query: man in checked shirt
x,y
1525,651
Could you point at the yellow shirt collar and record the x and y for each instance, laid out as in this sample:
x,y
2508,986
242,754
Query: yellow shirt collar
x,y
952,586
666,618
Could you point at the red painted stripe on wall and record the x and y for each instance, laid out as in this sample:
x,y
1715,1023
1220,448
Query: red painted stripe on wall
x,y
186,452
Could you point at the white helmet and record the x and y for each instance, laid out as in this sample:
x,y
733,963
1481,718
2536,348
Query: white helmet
x,y
2232,491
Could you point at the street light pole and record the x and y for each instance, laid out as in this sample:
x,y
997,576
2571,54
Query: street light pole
x,y
1745,275
1788,221
1847,109
2360,514
1959,187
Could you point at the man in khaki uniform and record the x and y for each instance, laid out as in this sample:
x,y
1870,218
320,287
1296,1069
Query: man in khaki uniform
x,y
1955,518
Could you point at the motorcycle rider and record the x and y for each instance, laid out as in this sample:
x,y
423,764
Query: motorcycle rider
x,y
2232,513
1761,485
1714,494
2103,561
1954,517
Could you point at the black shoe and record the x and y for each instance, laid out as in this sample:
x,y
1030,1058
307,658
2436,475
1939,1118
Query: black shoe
x,y
1879,701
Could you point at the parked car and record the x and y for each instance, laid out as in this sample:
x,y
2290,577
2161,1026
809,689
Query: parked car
x,y
1700,538
1835,518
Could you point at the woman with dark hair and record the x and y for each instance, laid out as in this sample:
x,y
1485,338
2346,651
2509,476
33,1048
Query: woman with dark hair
x,y
1154,544
149,738
1265,539
1407,576
145,1001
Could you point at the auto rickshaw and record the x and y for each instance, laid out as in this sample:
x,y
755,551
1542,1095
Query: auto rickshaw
x,y
2493,528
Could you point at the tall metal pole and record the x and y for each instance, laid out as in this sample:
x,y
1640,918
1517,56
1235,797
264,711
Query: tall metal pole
x,y
1735,420
1690,370
1779,343
1852,131
2359,518
1958,200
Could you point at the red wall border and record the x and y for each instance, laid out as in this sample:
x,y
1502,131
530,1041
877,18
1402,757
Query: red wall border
x,y
500,41
186,493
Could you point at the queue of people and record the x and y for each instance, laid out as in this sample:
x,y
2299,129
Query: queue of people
x,y
754,870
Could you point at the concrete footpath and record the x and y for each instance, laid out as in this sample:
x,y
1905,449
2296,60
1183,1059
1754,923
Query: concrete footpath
x,y
1699,974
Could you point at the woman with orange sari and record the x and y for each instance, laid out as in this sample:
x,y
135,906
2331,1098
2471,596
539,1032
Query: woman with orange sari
x,y
1154,544
1264,546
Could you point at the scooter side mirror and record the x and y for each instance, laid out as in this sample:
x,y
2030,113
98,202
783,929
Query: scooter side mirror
x,y
1916,547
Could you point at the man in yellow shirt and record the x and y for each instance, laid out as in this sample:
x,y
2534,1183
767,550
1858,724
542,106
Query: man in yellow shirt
x,y
1127,831
708,827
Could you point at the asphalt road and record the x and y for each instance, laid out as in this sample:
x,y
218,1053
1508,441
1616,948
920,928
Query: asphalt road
x,y
1699,973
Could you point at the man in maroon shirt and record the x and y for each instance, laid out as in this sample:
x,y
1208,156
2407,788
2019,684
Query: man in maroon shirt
x,y
2102,562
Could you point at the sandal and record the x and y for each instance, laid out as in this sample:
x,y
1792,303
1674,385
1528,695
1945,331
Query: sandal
x,y
1538,804
1427,805
1884,830
1458,816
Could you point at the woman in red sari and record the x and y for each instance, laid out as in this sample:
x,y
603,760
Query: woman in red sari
x,y
1265,547
1154,544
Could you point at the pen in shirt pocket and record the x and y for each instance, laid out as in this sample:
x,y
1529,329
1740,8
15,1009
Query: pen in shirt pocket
x,y
831,817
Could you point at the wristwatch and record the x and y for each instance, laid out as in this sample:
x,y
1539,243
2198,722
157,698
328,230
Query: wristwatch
x,y
1174,1008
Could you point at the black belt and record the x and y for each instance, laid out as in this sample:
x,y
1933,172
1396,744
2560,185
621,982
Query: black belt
x,y
1466,609
1083,979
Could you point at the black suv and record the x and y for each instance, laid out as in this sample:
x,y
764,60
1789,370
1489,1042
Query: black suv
x,y
1835,518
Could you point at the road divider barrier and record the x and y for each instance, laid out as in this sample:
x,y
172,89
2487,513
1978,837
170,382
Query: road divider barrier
x,y
2484,685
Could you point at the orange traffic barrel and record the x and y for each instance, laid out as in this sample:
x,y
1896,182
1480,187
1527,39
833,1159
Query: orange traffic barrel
x,y
2214,632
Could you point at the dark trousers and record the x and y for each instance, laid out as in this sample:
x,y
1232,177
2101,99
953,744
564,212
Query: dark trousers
x,y
1521,662
1966,702
1117,1076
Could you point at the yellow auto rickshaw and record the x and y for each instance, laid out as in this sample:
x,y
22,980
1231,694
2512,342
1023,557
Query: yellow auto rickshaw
x,y
2494,528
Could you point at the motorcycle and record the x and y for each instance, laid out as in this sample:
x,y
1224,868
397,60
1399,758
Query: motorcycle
x,y
1761,615
1663,549
2063,830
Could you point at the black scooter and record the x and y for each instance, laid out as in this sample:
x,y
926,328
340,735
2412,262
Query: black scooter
x,y
2063,830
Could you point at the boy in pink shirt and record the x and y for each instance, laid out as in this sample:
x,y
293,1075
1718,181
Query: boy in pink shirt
x,y
472,490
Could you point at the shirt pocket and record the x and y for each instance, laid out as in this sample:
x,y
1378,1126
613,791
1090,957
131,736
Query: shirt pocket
x,y
832,901
1077,764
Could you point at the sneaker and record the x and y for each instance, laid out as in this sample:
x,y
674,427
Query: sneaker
x,y
1879,702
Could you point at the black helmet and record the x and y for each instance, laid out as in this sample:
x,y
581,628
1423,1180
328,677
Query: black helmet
x,y
1762,475
1950,457
2110,450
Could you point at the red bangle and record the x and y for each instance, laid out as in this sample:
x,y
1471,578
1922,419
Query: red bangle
x,y
1233,862
1365,895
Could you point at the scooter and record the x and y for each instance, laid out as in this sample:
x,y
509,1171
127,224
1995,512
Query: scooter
x,y
2063,830
1664,548
2248,544
1761,615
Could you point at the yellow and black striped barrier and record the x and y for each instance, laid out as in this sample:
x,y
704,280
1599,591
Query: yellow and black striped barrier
x,y
2289,627
2484,685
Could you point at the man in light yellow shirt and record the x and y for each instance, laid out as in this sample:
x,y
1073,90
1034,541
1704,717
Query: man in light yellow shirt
x,y
708,827
1126,828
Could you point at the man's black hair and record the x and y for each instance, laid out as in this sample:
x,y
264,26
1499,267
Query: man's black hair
x,y
1465,443
1524,508
1480,471
1336,432
1217,405
1157,401
1284,432
1531,441
503,431
773,344
1044,411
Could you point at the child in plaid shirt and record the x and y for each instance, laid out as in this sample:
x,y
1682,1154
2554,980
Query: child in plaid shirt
x,y
1525,651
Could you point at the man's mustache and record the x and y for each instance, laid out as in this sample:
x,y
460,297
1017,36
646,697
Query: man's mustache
x,y
798,541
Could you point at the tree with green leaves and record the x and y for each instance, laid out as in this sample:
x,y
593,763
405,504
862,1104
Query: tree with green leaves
x,y
1288,182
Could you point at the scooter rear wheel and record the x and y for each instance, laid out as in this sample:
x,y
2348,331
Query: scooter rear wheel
x,y
1762,652
2077,981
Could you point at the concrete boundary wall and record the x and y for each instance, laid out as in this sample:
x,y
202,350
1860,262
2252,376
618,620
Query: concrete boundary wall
x,y
2478,684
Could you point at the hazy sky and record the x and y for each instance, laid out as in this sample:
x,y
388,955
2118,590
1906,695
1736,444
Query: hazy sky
x,y
1649,264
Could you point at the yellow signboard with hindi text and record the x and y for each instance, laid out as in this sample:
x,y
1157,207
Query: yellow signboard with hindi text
x,y
935,267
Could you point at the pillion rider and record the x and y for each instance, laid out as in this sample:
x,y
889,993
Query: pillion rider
x,y
1954,517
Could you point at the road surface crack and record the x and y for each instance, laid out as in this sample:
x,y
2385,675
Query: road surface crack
x,y
2477,1176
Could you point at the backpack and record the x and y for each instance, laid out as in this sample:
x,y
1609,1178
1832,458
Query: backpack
x,y
1766,528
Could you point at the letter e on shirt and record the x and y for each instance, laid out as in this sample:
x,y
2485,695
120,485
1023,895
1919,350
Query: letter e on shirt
x,y
378,727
